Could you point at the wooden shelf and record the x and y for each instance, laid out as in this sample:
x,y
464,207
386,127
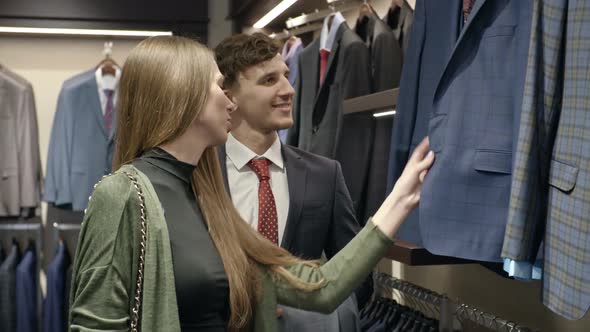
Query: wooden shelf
x,y
411,254
373,102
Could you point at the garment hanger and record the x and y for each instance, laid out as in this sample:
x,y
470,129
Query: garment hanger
x,y
365,10
108,66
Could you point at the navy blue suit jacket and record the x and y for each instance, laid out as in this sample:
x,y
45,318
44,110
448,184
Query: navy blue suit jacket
x,y
80,149
8,290
54,318
470,108
26,293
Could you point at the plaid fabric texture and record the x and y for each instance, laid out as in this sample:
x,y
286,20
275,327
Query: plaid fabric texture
x,y
550,191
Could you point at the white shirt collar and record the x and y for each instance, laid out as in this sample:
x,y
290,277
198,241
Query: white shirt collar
x,y
286,55
240,155
327,38
107,83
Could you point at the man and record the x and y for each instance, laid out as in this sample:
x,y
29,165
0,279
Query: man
x,y
294,198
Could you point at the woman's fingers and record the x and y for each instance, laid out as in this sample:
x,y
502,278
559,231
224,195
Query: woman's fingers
x,y
425,163
421,150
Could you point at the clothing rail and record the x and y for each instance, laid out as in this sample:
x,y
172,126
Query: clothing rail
x,y
450,309
37,228
321,14
60,228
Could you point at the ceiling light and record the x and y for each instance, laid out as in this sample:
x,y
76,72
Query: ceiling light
x,y
273,13
85,32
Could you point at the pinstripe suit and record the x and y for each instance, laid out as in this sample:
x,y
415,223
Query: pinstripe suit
x,y
550,192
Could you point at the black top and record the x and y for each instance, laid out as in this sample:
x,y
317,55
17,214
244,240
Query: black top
x,y
202,289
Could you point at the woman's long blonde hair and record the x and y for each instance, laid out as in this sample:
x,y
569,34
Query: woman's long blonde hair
x,y
163,88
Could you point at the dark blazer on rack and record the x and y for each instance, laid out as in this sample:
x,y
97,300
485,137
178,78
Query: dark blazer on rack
x,y
80,149
386,67
551,181
319,125
20,165
26,293
8,290
54,317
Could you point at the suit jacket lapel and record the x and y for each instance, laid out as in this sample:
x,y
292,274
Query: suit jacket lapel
x,y
94,102
456,16
297,179
330,65
222,162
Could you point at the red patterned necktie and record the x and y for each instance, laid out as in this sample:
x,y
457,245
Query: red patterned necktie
x,y
324,54
467,6
268,224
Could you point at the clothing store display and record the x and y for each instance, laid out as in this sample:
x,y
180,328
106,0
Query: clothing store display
x,y
81,147
54,308
199,276
20,165
95,265
27,310
549,198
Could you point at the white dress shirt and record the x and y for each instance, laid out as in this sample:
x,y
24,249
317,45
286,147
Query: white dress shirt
x,y
244,183
107,82
328,33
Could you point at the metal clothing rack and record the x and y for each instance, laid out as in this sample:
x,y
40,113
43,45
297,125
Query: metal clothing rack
x,y
59,228
321,14
37,229
449,309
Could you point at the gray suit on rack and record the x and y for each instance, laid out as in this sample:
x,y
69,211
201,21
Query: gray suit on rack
x,y
20,165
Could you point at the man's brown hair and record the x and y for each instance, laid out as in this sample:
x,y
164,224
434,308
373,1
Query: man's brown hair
x,y
240,52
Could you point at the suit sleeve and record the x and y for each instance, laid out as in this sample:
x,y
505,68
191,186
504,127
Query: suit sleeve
x,y
405,118
340,275
57,180
28,151
101,283
293,133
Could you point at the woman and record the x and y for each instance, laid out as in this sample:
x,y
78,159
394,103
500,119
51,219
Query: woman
x,y
162,246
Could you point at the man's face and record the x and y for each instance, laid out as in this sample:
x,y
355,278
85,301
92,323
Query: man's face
x,y
263,96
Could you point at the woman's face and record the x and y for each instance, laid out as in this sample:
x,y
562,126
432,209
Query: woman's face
x,y
215,119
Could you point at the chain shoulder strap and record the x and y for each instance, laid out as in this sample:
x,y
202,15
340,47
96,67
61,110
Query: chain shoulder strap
x,y
142,246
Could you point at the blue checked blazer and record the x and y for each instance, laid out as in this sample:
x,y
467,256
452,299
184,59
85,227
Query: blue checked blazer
x,y
550,196
465,94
